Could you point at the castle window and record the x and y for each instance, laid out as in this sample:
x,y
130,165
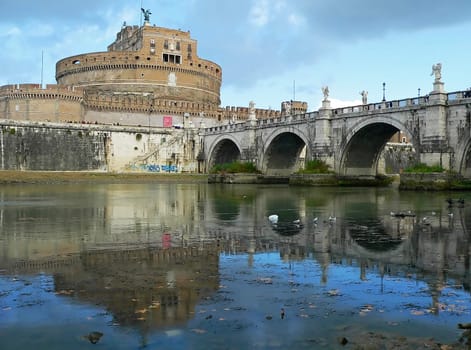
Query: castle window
x,y
189,48
171,58
166,44
177,46
76,62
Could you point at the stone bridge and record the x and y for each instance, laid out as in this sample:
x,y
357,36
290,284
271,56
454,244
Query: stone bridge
x,y
350,139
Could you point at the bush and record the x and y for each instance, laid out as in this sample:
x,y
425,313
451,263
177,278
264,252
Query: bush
x,y
235,167
316,166
424,168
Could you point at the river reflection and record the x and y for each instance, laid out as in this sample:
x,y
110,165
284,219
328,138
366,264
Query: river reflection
x,y
200,266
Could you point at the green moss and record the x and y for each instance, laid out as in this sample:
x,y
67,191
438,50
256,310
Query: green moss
x,y
423,168
235,167
316,166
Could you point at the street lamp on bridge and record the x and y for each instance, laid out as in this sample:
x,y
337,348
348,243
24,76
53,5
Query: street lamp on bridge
x,y
384,90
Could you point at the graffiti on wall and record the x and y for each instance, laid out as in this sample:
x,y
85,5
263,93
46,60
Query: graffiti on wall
x,y
154,168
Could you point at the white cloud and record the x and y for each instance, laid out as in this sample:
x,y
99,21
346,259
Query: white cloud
x,y
260,13
9,32
335,103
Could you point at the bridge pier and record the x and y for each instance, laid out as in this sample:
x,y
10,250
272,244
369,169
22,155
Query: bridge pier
x,y
434,149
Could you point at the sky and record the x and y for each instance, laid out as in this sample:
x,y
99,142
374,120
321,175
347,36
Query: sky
x,y
269,50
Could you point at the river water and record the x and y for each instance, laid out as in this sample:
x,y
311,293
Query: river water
x,y
198,266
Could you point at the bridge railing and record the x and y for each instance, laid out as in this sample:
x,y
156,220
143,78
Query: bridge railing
x,y
299,118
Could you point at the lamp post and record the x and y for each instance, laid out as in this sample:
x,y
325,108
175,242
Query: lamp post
x,y
418,92
384,90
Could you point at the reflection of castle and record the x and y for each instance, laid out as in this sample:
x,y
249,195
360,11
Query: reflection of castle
x,y
146,288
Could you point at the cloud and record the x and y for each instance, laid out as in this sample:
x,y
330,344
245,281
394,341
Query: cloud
x,y
253,40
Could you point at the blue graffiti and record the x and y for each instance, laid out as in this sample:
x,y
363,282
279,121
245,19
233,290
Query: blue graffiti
x,y
169,168
154,168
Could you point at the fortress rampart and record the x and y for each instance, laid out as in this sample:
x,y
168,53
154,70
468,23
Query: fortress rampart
x,y
32,102
149,79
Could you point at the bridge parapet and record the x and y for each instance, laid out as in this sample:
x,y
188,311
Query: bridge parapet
x,y
351,139
263,123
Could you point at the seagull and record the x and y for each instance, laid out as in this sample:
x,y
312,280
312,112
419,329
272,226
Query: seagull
x,y
332,218
315,220
273,218
297,221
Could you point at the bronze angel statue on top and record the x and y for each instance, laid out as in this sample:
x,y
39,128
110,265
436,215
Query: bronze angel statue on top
x,y
147,14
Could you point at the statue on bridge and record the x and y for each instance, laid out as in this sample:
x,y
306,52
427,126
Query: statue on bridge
x,y
364,97
437,71
325,91
147,14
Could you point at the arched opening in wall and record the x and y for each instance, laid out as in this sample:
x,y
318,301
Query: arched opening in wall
x,y
76,62
377,149
225,152
285,155
466,163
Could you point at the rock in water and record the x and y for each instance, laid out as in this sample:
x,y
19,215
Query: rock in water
x,y
464,325
94,337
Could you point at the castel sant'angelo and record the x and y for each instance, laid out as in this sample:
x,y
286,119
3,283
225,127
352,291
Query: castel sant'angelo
x,y
142,105
150,76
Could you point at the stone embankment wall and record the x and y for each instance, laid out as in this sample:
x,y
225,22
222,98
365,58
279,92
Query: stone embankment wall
x,y
37,146
433,182
52,149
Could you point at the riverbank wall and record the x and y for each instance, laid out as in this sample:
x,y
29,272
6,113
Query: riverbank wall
x,y
40,146
433,182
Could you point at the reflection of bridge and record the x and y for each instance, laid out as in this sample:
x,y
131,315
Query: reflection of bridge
x,y
351,139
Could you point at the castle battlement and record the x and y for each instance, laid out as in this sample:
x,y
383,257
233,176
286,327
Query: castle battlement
x,y
36,91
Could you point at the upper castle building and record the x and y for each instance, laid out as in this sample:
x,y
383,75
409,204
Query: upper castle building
x,y
149,76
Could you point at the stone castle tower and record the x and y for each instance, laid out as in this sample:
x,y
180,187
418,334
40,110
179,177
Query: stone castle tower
x,y
149,76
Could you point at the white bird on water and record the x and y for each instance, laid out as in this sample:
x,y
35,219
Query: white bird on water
x,y
273,218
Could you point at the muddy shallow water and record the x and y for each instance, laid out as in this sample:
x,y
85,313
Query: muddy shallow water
x,y
200,267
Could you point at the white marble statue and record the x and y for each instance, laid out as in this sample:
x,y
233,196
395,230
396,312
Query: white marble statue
x,y
364,97
251,107
437,71
325,91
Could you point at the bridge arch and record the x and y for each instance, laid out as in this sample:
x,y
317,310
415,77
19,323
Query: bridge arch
x,y
284,151
225,149
463,157
361,149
